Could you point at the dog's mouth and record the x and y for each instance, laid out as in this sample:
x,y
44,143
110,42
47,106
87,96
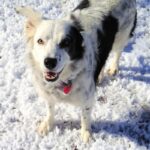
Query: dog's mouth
x,y
63,86
51,76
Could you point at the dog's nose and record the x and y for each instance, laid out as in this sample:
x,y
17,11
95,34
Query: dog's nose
x,y
50,63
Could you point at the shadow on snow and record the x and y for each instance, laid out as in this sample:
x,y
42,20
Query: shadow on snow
x,y
140,73
136,130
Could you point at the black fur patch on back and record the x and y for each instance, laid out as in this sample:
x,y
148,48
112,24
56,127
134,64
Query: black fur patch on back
x,y
105,39
134,25
83,4
74,48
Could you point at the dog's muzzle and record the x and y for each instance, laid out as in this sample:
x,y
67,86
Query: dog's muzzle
x,y
50,64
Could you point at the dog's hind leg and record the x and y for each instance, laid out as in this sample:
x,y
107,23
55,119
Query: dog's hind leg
x,y
101,75
47,124
120,42
86,123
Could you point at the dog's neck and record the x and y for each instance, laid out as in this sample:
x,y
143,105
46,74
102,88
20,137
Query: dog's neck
x,y
65,87
68,85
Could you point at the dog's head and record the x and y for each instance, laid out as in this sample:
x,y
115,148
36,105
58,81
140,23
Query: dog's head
x,y
56,44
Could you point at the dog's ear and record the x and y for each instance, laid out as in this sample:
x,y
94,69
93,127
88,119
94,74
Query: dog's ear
x,y
76,20
33,20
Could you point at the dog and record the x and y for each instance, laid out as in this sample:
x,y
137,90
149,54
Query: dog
x,y
67,56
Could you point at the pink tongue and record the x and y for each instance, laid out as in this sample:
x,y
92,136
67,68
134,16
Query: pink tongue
x,y
67,89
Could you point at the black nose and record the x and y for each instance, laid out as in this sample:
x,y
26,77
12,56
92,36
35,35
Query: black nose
x,y
50,63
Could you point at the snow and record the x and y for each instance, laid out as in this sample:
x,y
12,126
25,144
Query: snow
x,y
121,115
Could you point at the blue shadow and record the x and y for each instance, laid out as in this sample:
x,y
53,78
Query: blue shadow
x,y
136,130
129,48
137,73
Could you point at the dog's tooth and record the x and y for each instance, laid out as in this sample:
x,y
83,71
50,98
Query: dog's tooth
x,y
52,77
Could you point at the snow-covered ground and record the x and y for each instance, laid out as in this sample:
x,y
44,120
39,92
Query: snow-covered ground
x,y
121,116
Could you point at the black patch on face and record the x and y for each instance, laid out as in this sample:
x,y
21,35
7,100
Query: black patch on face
x,y
105,41
83,4
74,47
134,26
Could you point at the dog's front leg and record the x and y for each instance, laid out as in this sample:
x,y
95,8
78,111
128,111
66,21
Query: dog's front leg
x,y
47,124
86,123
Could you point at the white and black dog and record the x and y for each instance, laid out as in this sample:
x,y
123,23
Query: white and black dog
x,y
67,55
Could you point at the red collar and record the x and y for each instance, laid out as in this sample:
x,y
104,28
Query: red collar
x,y
65,87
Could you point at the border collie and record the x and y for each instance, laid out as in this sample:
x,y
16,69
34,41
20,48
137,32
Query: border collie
x,y
67,56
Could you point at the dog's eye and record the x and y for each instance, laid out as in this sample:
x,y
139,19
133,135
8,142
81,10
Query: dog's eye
x,y
40,41
65,42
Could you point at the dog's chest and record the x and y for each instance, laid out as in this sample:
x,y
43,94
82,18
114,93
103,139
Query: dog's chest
x,y
76,94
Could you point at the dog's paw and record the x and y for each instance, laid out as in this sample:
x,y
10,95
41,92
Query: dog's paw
x,y
85,135
44,127
112,71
